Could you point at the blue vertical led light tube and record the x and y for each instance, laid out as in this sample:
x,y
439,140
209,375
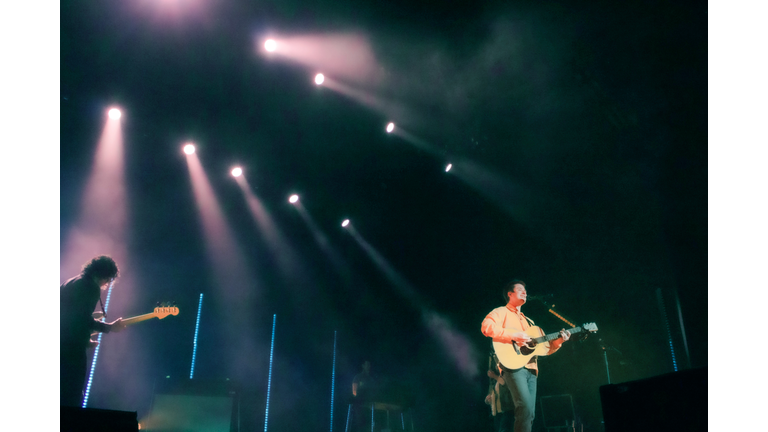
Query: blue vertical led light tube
x,y
333,377
194,340
682,330
349,412
663,310
269,379
96,352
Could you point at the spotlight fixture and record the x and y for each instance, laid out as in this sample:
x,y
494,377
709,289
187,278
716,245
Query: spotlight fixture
x,y
237,172
448,168
293,199
270,45
390,127
345,223
189,148
319,79
114,113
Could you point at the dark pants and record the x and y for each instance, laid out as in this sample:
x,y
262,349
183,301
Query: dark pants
x,y
522,384
502,422
361,417
73,367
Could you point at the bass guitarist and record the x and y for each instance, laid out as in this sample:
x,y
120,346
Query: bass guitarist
x,y
78,298
507,325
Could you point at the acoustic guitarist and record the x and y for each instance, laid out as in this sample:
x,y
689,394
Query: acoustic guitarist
x,y
508,325
78,298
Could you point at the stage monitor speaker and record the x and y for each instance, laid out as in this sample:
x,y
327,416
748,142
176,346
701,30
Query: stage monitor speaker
x,y
675,402
73,419
194,406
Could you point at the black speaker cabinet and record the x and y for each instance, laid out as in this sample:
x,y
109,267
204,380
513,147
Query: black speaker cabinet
x,y
193,406
676,402
72,419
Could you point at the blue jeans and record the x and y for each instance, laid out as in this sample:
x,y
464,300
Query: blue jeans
x,y
522,384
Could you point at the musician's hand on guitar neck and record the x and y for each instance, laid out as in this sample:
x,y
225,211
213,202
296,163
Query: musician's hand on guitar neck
x,y
564,336
117,325
92,344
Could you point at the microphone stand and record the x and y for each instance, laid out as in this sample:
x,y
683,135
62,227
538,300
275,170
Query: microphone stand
x,y
605,356
551,309
605,347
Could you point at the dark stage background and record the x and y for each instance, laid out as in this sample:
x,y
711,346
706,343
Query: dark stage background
x,y
586,127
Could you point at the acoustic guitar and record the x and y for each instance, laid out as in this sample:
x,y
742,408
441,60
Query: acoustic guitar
x,y
513,356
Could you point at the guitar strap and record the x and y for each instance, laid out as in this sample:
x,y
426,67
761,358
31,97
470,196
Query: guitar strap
x,y
530,321
104,312
493,361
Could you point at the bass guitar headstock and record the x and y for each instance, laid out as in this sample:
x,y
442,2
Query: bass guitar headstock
x,y
164,309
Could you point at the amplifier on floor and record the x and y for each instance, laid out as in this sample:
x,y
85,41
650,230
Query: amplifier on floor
x,y
675,401
193,406
73,419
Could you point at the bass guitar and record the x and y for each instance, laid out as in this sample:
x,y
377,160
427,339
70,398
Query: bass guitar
x,y
160,312
513,356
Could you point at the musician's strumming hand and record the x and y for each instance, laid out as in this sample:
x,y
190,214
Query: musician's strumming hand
x,y
520,338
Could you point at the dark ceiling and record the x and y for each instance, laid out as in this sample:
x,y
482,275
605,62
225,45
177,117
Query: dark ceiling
x,y
579,135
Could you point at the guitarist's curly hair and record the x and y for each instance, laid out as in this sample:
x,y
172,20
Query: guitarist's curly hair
x,y
101,267
510,286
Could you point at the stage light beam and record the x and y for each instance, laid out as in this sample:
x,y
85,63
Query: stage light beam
x,y
293,199
270,45
345,223
237,172
189,148
319,79
114,113
390,127
448,167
